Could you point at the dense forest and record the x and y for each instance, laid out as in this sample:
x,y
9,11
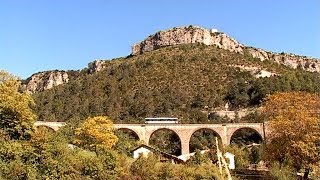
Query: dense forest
x,y
186,81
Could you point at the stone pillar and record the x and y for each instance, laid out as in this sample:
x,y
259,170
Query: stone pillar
x,y
224,137
147,132
146,140
185,146
184,133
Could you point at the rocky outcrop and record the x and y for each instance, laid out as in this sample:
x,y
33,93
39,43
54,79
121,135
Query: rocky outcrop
x,y
187,35
46,80
97,65
287,59
257,72
194,34
231,114
258,53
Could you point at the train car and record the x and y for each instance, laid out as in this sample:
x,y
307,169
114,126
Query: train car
x,y
161,120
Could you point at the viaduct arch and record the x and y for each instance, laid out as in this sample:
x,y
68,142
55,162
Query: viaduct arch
x,y
204,131
130,131
253,130
184,131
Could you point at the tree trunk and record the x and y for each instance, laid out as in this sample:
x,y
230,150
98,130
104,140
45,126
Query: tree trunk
x,y
306,174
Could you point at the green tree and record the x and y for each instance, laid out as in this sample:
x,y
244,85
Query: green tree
x,y
126,142
278,172
199,159
167,141
241,154
237,93
203,139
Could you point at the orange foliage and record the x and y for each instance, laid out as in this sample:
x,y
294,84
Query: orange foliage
x,y
294,128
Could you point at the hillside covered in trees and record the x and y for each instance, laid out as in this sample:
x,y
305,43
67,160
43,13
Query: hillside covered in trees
x,y
186,81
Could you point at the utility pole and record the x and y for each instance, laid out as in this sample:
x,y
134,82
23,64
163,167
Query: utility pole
x,y
220,157
264,133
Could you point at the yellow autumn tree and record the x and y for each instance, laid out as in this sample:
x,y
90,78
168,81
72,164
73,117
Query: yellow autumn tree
x,y
96,133
16,116
293,129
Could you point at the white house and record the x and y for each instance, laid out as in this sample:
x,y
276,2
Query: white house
x,y
213,30
163,156
186,157
141,150
231,160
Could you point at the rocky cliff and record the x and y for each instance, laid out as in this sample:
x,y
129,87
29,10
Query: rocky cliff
x,y
194,34
97,65
187,35
46,80
287,59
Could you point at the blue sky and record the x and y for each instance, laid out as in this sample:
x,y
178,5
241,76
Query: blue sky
x,y
39,35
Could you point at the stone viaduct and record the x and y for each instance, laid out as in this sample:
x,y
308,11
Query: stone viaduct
x,y
53,125
184,131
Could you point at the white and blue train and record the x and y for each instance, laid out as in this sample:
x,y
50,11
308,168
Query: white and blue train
x,y
161,120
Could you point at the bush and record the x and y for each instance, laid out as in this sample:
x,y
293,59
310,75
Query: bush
x,y
144,167
282,173
241,155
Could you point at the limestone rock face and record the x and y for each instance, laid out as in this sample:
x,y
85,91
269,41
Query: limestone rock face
x,y
287,59
258,53
96,66
257,72
194,34
187,35
46,80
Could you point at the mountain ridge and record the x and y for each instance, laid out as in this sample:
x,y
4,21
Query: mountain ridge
x,y
188,81
195,34
177,36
